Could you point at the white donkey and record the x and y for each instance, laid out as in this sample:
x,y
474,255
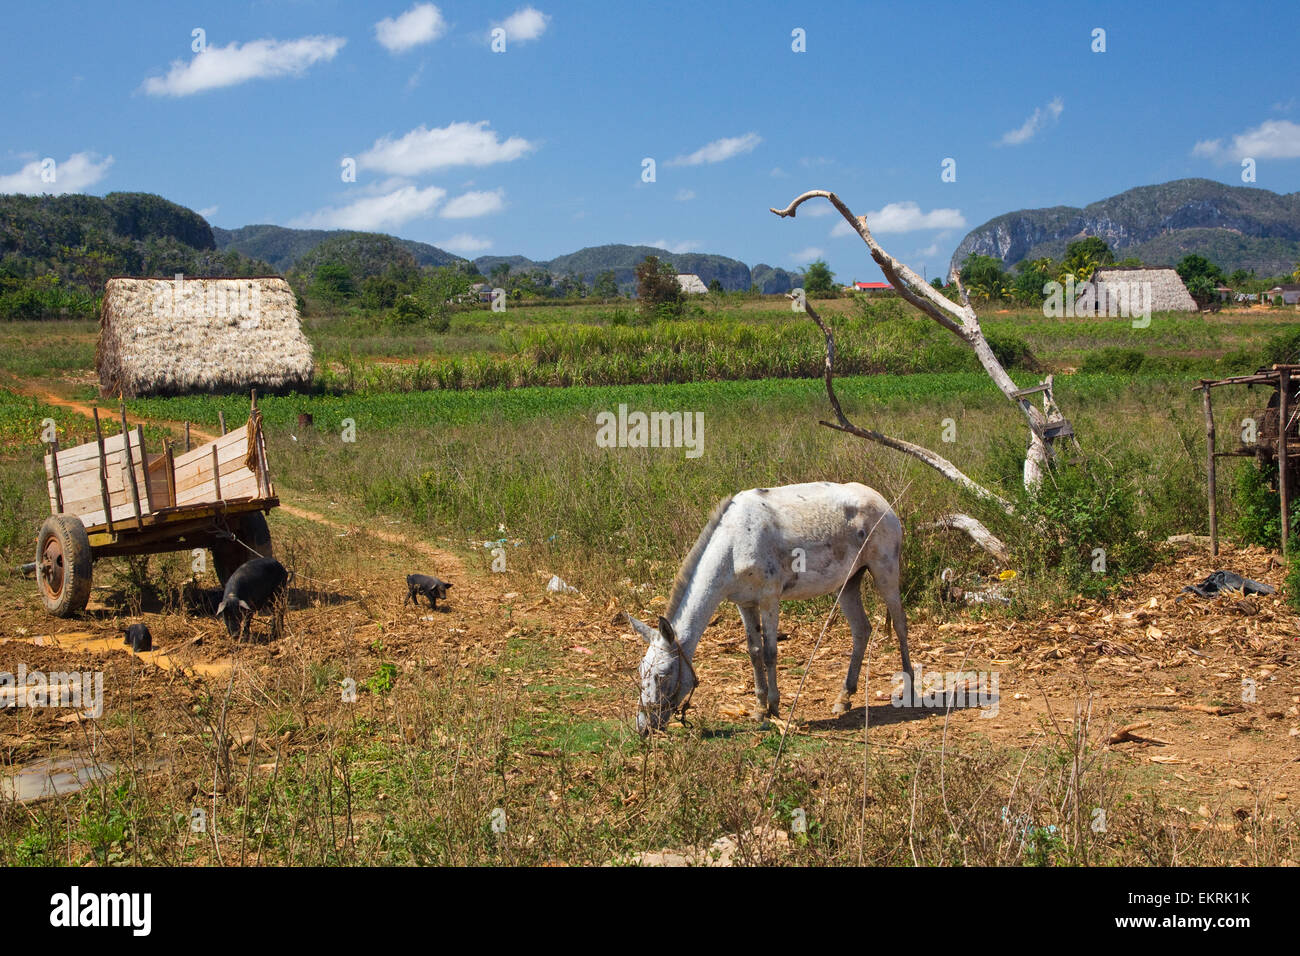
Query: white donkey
x,y
762,547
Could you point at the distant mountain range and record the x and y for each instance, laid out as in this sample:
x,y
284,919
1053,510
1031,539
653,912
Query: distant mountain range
x,y
287,248
1236,227
283,247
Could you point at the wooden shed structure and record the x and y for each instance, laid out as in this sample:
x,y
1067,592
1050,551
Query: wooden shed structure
x,y
184,335
1277,440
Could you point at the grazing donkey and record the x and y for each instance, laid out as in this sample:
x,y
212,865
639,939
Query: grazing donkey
x,y
762,547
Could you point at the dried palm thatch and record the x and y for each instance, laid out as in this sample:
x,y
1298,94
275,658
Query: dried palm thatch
x,y
172,337
1167,292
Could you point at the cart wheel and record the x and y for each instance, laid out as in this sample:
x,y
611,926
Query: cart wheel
x,y
63,565
227,556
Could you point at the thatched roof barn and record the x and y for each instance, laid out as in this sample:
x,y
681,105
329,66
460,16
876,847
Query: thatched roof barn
x,y
691,283
176,336
1167,292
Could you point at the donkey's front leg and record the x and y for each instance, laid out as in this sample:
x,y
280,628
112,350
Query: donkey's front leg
x,y
754,642
769,618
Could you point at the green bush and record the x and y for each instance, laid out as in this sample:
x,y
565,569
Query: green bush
x,y
1257,509
1283,348
1113,360
1083,524
1012,351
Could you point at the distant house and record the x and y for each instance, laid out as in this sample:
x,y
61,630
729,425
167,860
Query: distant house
x,y
1223,293
1290,293
1161,289
691,283
871,287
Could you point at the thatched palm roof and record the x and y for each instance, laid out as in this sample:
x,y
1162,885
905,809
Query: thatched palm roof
x,y
170,337
691,283
1168,294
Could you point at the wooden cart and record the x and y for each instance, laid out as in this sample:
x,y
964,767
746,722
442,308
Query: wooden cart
x,y
112,497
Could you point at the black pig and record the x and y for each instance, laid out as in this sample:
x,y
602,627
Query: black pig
x,y
430,587
138,636
255,585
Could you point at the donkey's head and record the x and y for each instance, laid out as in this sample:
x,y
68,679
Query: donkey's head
x,y
667,677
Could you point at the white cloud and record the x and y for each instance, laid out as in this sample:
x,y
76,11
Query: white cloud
x,y
385,211
674,245
207,212
719,149
1272,139
526,23
421,24
904,217
72,175
464,243
220,66
472,204
685,195
778,173
457,144
808,256
930,250
1027,130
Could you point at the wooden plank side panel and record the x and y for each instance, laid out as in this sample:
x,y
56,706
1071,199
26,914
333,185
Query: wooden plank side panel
x,y
230,458
159,492
237,438
73,460
239,482
87,487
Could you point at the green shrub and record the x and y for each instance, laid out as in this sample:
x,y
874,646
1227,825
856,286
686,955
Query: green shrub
x,y
1113,360
1083,524
1257,509
1012,351
1283,348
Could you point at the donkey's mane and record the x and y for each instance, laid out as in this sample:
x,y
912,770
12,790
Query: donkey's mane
x,y
687,571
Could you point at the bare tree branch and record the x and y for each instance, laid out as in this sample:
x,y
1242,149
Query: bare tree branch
x,y
981,535
961,320
935,461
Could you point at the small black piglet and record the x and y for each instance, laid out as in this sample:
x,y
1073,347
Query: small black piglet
x,y
138,636
431,587
254,586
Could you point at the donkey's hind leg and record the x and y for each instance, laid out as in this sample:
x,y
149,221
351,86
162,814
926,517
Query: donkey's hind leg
x,y
754,643
885,576
853,611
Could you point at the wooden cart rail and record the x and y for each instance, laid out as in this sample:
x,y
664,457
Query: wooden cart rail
x,y
114,481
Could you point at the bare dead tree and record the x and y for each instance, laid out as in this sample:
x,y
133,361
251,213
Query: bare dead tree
x,y
1046,425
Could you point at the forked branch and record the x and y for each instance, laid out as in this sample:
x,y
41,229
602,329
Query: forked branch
x,y
935,461
961,320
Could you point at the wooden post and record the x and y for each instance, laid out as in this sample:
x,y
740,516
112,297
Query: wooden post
x,y
130,469
1283,459
216,472
103,475
171,473
1209,469
144,462
221,417
54,465
187,436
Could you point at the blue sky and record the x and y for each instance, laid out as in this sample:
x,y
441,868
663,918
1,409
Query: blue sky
x,y
538,150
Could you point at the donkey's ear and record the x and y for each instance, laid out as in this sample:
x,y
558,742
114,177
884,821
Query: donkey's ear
x,y
646,632
666,630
